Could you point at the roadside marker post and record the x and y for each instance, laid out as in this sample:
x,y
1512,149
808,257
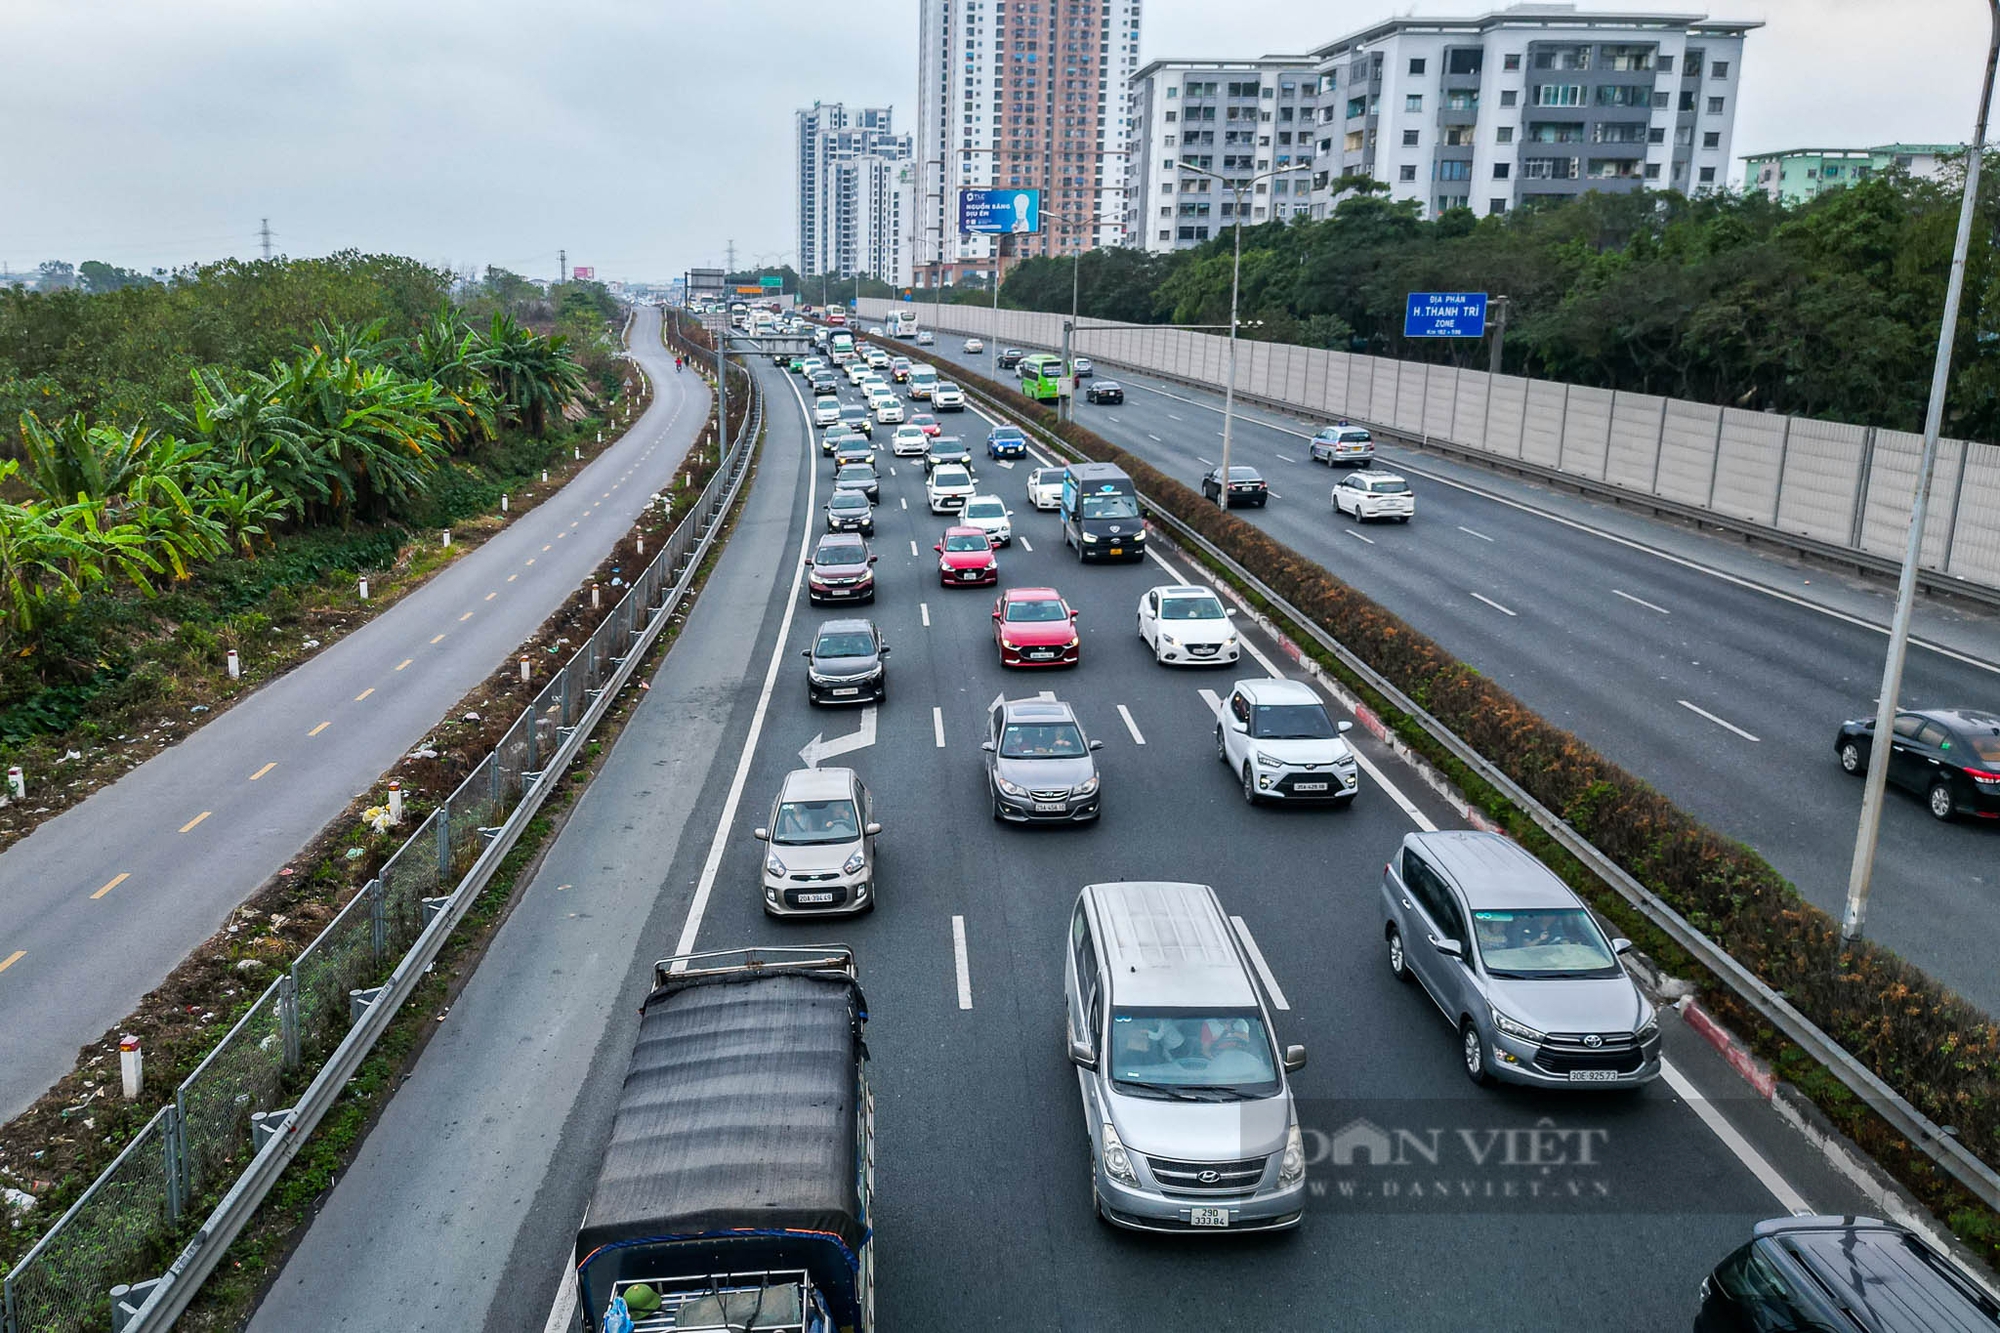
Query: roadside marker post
x,y
234,665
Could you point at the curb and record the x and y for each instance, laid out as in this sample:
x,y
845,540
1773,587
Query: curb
x,y
1730,1047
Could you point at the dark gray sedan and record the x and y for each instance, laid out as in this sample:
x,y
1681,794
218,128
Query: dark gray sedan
x,y
1039,767
847,664
850,511
859,477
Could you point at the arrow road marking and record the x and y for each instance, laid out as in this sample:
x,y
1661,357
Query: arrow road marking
x,y
819,747
1213,701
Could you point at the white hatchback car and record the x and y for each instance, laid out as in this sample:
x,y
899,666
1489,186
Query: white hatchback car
x,y
1045,487
1186,625
1276,737
909,442
888,408
974,345
1369,494
826,411
990,514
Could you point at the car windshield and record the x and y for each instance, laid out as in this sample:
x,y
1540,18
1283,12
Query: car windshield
x,y
840,553
1192,1055
1042,740
944,384
1291,722
950,476
847,500
969,541
810,823
855,472
845,643
985,509
947,444
1543,942
1040,608
1190,608
1390,487
1113,505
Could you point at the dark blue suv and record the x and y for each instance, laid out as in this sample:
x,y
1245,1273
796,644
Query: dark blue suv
x,y
1006,442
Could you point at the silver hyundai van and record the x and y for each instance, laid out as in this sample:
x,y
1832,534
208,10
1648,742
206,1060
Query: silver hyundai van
x,y
1185,1096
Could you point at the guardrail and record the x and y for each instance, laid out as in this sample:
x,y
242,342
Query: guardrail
x,y
112,1253
1826,489
1926,1135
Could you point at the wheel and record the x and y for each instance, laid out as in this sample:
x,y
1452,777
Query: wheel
x,y
1472,1052
1221,752
1249,785
1851,760
1399,966
1941,801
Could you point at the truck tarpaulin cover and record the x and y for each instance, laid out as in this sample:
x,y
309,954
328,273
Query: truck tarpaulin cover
x,y
739,1113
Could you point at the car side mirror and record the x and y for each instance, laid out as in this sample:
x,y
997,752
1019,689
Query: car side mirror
x,y
1346,727
871,829
872,559
1621,946
1082,1056
1229,611
806,653
996,615
1097,745
938,547
1295,1059
986,746
883,651
1074,614
1449,948
761,834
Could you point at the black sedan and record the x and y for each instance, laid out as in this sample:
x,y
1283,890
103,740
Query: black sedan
x,y
850,511
1010,357
947,449
845,664
1104,391
1246,486
852,449
1949,755
859,477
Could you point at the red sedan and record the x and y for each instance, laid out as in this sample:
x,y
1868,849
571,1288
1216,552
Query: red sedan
x,y
966,559
1034,627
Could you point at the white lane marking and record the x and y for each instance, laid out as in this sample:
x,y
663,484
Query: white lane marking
x,y
1409,807
937,725
1767,1175
562,1315
961,962
1276,496
1641,601
1024,545
1176,416
1155,439
1006,463
1283,459
913,546
1109,417
706,885
1470,533
1726,726
1214,702
1199,459
924,609
903,501
1490,602
1271,987
1130,725
1358,537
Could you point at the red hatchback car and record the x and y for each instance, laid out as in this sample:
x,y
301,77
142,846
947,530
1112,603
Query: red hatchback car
x,y
1034,627
966,559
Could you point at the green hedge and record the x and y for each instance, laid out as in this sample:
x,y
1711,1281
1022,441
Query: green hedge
x,y
1935,1048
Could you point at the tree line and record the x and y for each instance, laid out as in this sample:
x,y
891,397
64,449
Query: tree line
x,y
1826,309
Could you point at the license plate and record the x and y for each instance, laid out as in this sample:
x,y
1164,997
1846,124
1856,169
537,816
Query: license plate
x,y
815,897
1117,550
1208,1217
1042,654
1048,807
848,689
969,575
1308,786
1593,1076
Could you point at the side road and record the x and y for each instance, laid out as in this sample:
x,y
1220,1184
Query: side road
x,y
98,904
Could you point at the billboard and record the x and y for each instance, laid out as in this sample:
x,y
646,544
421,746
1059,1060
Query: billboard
x,y
582,272
700,280
997,212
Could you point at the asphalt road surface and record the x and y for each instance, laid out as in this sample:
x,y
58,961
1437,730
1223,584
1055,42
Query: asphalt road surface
x,y
461,1208
1716,674
98,905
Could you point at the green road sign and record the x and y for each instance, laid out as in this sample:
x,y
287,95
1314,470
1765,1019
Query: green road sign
x,y
770,282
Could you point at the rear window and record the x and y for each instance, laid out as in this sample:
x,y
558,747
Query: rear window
x,y
1986,747
1389,487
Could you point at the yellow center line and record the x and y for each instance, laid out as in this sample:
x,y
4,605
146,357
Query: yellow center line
x,y
318,729
262,771
438,637
364,694
196,820
491,595
467,616
116,880
12,959
405,662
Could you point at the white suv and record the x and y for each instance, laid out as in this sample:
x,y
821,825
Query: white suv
x,y
947,397
888,408
1370,494
947,488
909,442
826,411
1275,735
990,514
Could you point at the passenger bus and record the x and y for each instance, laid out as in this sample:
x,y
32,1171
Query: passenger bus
x,y
1041,376
902,323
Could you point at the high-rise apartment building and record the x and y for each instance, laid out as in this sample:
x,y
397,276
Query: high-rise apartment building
x,y
1022,94
1237,118
1534,100
857,194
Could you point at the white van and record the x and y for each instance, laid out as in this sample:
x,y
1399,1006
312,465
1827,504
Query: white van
x,y
922,380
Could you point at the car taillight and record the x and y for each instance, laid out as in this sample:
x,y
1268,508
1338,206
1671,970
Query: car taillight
x,y
1979,775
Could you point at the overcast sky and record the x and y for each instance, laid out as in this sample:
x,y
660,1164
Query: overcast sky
x,y
644,136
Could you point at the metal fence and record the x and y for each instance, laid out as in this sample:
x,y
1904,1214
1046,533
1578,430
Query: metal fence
x,y
100,1266
1830,483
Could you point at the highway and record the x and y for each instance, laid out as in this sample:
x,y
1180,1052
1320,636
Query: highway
x,y
1716,674
99,904
462,1204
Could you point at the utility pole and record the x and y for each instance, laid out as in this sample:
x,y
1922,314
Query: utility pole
x,y
562,266
731,266
264,236
1496,357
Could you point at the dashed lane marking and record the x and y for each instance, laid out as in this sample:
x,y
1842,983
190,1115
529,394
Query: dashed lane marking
x,y
364,694
318,729
405,662
1358,537
1641,601
116,880
438,639
961,962
924,609
12,959
196,820
262,771
1470,533
937,725
1130,725
1480,597
1726,726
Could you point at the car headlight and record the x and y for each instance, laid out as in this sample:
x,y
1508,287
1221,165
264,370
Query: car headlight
x,y
773,865
1293,1167
854,864
1516,1029
1073,642
1169,640
1229,642
1647,1030
1268,761
1117,1162
1010,788
1090,536
1088,787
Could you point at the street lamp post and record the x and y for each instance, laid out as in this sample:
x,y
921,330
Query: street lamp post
x,y
1866,836
1236,188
